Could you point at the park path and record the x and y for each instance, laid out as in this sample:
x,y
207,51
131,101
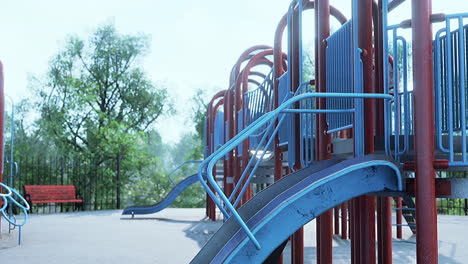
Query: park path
x,y
172,236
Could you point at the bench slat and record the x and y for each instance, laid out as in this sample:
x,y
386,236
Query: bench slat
x,y
51,194
57,201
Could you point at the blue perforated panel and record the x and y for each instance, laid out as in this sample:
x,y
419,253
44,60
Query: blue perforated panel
x,y
340,74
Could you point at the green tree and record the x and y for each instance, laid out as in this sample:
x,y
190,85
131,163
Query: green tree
x,y
97,102
198,117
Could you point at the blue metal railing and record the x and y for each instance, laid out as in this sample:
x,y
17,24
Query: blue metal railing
x,y
266,122
450,81
399,111
23,205
305,97
257,102
205,170
450,65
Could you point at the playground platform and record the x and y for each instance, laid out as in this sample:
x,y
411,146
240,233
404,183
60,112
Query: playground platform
x,y
173,236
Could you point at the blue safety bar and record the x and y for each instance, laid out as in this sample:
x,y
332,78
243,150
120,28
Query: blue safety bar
x,y
23,205
400,118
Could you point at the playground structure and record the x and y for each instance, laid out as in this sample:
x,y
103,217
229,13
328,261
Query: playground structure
x,y
343,144
282,150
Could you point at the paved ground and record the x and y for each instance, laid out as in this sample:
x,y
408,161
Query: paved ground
x,y
171,236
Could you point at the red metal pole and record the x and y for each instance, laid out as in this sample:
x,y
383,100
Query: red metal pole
x,y
235,81
355,234
297,247
227,175
426,213
2,122
298,237
325,223
367,203
379,230
387,230
210,206
257,59
228,105
344,220
278,70
384,212
336,217
399,215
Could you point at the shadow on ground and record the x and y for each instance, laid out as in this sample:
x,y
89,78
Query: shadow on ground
x,y
162,219
201,231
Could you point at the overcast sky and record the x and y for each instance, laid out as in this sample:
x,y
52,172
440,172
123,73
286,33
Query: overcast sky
x,y
194,43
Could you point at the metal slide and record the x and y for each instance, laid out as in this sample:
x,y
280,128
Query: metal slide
x,y
150,209
277,212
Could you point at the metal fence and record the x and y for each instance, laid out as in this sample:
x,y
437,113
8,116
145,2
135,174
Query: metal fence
x,y
98,186
451,206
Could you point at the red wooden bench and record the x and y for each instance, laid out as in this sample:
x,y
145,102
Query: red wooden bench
x,y
38,194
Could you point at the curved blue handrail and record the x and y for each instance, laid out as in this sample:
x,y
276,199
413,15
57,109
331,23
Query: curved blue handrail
x,y
23,206
6,188
205,169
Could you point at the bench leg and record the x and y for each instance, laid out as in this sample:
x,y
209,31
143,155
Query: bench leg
x,y
79,206
30,207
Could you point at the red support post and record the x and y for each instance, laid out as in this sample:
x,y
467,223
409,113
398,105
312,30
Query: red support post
x,y
399,216
386,221
2,116
426,213
344,220
384,212
256,60
211,112
379,230
325,223
367,203
230,134
278,70
297,255
235,81
297,247
336,217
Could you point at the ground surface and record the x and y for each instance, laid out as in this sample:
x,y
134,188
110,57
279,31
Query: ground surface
x,y
172,236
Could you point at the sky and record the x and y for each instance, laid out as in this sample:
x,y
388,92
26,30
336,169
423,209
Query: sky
x,y
194,44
